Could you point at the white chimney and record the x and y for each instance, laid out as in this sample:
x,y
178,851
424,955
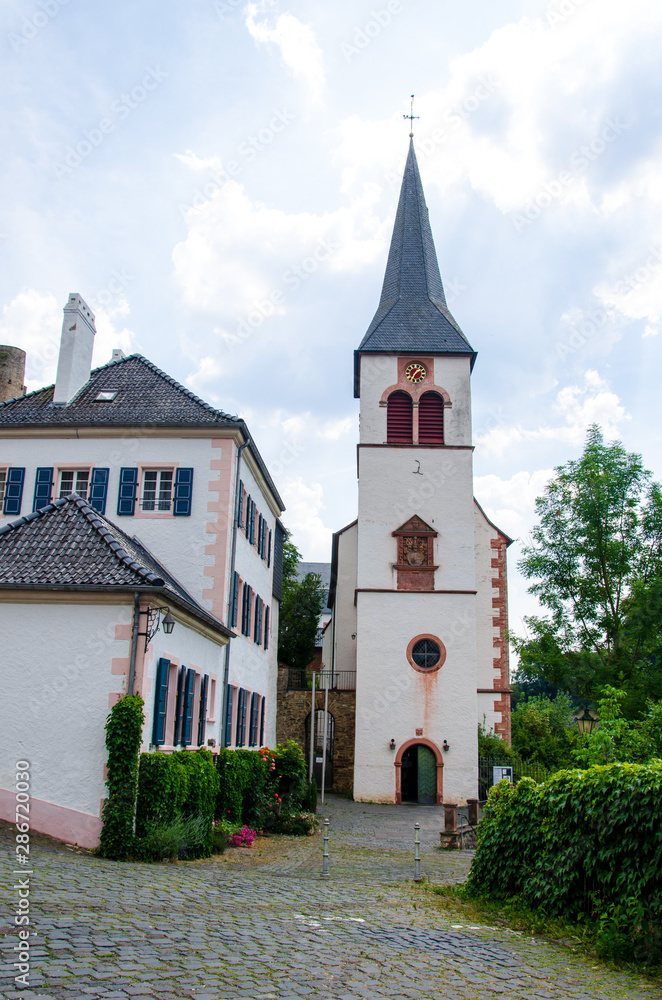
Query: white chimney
x,y
75,361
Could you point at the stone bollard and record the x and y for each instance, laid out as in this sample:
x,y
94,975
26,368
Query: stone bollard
x,y
450,817
472,815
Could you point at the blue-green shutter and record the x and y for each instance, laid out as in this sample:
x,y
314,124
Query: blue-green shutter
x,y
99,489
255,707
202,715
241,718
262,722
179,707
235,600
188,706
160,702
246,610
126,500
228,716
252,533
266,627
248,515
240,505
183,493
269,549
257,630
14,491
43,487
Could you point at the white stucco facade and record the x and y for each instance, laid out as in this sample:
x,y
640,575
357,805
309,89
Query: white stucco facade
x,y
69,674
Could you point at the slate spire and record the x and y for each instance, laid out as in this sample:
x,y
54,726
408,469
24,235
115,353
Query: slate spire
x,y
412,315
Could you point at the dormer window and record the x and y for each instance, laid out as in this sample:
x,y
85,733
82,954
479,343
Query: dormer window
x,y
105,396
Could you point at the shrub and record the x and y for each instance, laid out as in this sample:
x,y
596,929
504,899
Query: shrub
x,y
299,824
309,800
582,845
123,736
290,773
182,839
175,789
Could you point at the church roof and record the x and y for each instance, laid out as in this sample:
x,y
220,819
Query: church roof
x,y
413,316
67,545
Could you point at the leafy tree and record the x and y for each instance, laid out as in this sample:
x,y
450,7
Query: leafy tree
x,y
543,731
619,740
300,610
595,561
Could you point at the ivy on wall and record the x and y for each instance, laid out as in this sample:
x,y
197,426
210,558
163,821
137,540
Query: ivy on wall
x,y
123,737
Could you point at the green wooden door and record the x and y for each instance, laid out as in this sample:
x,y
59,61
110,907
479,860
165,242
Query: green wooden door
x,y
427,776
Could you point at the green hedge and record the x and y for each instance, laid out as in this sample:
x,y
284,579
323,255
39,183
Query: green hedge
x,y
175,788
584,845
123,735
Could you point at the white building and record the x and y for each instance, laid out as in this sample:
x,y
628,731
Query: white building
x,y
418,586
79,603
187,483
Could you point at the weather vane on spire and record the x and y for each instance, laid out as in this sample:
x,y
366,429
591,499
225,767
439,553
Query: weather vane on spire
x,y
411,116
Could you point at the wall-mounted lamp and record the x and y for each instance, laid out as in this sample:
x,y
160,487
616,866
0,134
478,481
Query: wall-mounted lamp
x,y
155,621
445,745
391,745
353,635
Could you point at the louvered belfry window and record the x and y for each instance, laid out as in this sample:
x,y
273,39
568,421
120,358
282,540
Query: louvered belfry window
x,y
399,418
431,419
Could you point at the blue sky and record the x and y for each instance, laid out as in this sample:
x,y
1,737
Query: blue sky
x,y
219,180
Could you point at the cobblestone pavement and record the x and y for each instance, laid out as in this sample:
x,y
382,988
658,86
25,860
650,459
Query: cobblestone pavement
x,y
262,924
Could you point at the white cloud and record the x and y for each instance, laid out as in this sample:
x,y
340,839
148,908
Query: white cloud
x,y
302,517
33,321
579,406
637,294
242,257
296,41
510,503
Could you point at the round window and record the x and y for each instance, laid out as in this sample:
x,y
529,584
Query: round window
x,y
426,654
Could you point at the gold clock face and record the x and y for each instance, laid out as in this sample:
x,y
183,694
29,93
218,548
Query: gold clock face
x,y
415,372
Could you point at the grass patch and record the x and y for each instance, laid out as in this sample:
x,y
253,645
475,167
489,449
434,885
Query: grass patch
x,y
578,937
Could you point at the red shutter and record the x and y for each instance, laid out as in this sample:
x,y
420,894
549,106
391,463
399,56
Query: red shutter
x,y
399,418
431,419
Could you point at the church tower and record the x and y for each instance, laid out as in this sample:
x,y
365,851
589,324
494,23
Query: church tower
x,y
418,581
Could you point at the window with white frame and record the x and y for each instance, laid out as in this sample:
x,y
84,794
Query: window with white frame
x,y
74,481
157,489
3,485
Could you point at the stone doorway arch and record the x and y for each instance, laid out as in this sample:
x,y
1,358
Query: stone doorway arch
x,y
439,762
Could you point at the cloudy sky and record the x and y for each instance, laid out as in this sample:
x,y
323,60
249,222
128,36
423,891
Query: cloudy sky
x,y
218,179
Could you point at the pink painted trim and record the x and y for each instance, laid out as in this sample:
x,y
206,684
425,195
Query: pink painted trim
x,y
220,493
56,821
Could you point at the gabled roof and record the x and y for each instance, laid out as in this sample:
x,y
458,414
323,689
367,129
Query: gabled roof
x,y
145,396
67,545
413,316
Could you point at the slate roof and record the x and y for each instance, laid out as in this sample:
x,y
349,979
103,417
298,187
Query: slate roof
x,y
413,315
145,396
69,545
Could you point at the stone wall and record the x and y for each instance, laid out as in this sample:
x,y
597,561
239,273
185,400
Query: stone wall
x,y
294,708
